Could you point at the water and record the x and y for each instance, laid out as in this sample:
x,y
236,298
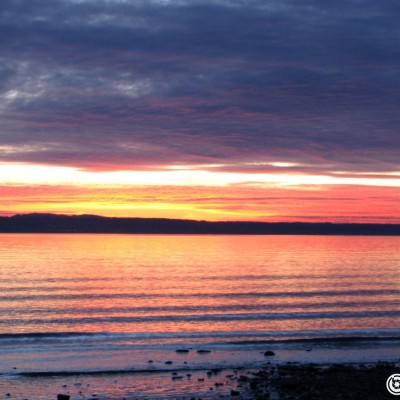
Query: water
x,y
111,303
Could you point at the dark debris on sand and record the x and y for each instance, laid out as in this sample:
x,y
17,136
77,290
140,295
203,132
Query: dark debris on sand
x,y
313,382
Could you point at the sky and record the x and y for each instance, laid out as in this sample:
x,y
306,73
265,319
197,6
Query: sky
x,y
270,110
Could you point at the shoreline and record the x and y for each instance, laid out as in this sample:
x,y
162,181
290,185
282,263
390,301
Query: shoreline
x,y
297,381
249,372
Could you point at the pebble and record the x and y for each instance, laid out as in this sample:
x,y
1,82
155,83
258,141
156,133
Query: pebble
x,y
269,353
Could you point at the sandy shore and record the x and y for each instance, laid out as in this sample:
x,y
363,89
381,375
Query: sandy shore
x,y
272,382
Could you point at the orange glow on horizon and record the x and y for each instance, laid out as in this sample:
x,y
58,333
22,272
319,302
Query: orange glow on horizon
x,y
332,203
200,195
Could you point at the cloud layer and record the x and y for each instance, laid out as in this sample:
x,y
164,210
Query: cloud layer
x,y
112,84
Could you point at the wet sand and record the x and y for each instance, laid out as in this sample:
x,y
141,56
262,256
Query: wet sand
x,y
274,382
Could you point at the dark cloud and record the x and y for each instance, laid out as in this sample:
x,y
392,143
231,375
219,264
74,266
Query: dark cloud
x,y
122,84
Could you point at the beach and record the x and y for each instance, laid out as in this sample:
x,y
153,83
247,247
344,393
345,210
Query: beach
x,y
279,382
341,369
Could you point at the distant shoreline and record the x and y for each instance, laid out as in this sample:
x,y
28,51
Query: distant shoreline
x,y
55,223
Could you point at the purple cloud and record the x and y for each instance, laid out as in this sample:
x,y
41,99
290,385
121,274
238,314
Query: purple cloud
x,y
132,84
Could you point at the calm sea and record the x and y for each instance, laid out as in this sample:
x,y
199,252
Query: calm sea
x,y
92,303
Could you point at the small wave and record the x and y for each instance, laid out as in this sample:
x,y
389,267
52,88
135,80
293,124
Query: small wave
x,y
221,337
319,340
44,335
93,296
57,280
204,308
212,317
43,374
295,277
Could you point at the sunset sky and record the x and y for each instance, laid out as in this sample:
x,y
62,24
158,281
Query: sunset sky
x,y
280,110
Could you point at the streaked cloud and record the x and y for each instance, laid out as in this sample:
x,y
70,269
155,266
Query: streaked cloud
x,y
222,92
40,175
205,81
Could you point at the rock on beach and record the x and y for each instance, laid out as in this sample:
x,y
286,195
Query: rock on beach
x,y
269,353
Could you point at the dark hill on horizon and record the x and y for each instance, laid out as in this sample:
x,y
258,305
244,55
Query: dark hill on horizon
x,y
55,223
